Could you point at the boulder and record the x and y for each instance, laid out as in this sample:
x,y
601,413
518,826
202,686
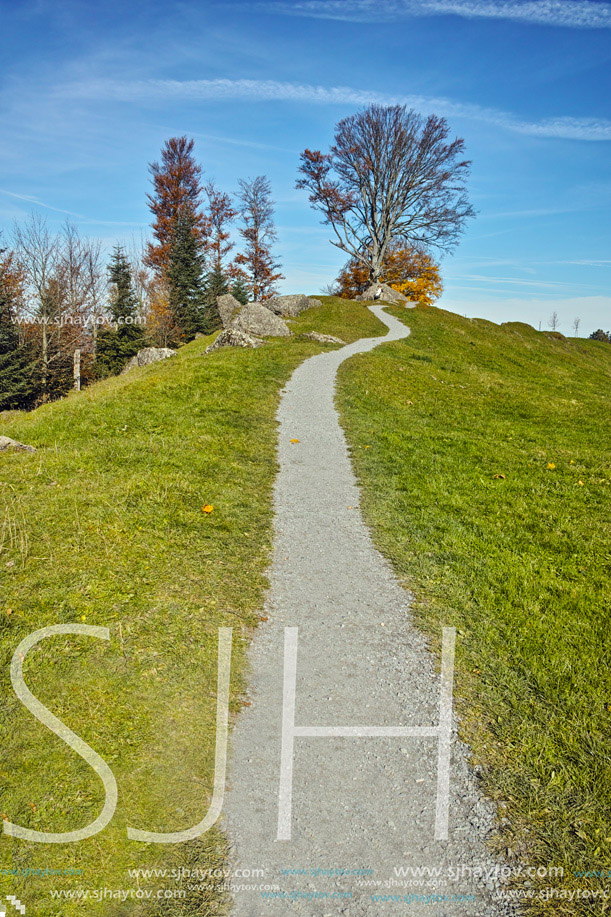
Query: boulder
x,y
232,337
254,318
387,294
291,306
322,338
7,443
227,305
148,355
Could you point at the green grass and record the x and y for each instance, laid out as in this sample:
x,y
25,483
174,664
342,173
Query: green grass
x,y
104,524
485,456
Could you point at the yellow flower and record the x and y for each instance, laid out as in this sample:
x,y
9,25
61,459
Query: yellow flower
x,y
207,509
551,465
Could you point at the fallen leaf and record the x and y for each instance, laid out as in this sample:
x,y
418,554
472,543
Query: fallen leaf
x,y
294,440
500,477
207,508
581,484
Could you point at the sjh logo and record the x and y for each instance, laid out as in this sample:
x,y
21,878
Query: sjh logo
x,y
289,732
16,904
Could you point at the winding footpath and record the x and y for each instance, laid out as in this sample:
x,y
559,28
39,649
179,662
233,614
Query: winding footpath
x,y
363,808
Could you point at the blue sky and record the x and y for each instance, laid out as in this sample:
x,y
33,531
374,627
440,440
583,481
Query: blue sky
x,y
89,92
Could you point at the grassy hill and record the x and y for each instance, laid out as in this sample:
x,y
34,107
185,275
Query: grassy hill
x,y
485,456
104,525
483,451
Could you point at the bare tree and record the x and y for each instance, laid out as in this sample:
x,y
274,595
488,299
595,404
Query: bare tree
x,y
97,286
257,262
221,213
554,321
576,324
391,174
38,256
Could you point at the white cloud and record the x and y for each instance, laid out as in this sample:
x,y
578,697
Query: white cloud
x,y
577,14
155,91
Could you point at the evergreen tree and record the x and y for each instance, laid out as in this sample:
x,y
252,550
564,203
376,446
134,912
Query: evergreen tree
x,y
240,291
185,277
176,189
216,285
118,344
17,382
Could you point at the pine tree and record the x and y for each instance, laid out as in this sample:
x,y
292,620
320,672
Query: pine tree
x,y
186,277
176,190
17,365
216,285
239,290
118,344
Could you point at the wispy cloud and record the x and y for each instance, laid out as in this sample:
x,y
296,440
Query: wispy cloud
x,y
576,14
78,217
156,91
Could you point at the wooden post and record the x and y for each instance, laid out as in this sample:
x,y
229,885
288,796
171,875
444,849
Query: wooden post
x,y
77,370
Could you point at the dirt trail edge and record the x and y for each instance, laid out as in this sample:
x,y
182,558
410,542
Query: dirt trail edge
x,y
362,814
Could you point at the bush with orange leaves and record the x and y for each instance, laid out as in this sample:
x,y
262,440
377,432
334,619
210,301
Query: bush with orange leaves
x,y
409,270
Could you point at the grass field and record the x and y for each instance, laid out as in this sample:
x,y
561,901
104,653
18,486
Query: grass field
x,y
485,456
104,525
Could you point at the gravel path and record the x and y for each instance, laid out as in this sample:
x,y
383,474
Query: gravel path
x,y
363,808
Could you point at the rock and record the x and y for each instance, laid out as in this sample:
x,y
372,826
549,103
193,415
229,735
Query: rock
x,y
387,295
322,338
148,355
254,318
227,305
7,443
232,337
292,305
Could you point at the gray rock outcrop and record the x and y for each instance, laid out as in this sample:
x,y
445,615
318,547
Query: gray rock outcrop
x,y
148,355
233,337
227,305
387,294
292,305
7,443
322,338
255,319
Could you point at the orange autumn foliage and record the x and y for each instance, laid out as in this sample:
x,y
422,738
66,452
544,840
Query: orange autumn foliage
x,y
410,271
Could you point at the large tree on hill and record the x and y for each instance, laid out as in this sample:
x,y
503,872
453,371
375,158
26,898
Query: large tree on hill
x,y
256,263
185,276
409,270
119,343
391,174
177,190
17,364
